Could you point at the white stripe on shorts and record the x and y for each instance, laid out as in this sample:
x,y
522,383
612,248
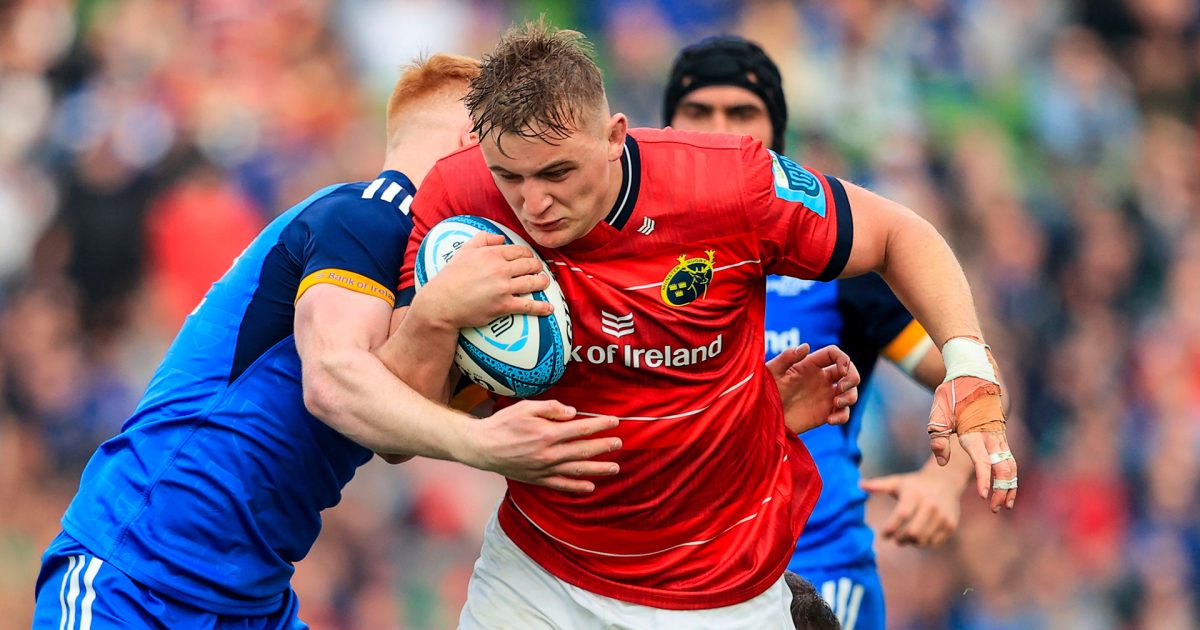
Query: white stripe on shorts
x,y
73,590
85,615
62,595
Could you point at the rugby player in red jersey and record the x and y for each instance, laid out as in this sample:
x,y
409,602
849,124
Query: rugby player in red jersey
x,y
674,231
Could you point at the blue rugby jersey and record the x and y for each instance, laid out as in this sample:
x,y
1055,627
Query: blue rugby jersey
x,y
863,317
215,486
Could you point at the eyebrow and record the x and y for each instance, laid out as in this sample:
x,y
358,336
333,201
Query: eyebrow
x,y
553,166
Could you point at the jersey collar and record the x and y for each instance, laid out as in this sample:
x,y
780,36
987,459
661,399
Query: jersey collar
x,y
631,184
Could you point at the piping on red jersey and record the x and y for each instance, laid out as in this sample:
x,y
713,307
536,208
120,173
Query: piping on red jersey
x,y
655,285
676,415
690,543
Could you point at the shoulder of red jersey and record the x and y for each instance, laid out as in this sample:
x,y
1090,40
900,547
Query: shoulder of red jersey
x,y
698,139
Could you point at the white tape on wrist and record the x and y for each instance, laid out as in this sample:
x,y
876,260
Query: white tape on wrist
x,y
966,357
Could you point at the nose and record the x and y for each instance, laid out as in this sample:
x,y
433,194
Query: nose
x,y
720,123
535,199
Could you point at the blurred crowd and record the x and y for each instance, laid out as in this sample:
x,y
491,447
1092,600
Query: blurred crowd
x,y
144,143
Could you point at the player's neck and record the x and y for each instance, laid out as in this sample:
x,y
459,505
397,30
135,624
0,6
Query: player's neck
x,y
417,156
616,178
415,165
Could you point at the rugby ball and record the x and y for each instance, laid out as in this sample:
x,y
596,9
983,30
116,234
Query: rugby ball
x,y
513,355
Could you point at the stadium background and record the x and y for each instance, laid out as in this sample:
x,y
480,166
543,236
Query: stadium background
x,y
143,143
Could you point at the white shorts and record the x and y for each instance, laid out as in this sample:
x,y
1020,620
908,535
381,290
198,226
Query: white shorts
x,y
509,590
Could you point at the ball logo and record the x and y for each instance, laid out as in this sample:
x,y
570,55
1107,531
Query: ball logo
x,y
689,280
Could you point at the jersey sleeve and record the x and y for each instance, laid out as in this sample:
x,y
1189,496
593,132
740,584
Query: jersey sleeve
x,y
872,311
802,217
357,244
431,205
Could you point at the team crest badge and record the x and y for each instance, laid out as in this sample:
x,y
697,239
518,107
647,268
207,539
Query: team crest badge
x,y
689,280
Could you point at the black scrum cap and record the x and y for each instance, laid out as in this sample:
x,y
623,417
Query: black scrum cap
x,y
728,60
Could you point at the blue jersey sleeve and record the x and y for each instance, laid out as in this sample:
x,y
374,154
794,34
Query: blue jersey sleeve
x,y
873,316
351,242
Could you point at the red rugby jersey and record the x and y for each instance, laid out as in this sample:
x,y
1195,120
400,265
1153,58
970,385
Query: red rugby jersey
x,y
666,297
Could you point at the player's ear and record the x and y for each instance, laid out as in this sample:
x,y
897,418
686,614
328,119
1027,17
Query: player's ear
x,y
616,128
467,137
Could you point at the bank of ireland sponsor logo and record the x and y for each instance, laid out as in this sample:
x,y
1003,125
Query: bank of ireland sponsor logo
x,y
616,325
688,281
776,341
638,357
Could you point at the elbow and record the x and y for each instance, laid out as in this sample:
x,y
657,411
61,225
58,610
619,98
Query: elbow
x,y
322,393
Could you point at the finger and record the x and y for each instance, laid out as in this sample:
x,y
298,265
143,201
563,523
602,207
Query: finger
x,y
548,409
889,484
829,356
1003,470
523,267
530,306
900,514
847,399
779,364
852,374
515,252
919,528
585,469
939,536
581,450
524,285
565,484
483,239
585,426
839,417
972,443
940,445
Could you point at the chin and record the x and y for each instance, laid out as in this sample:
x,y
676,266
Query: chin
x,y
550,240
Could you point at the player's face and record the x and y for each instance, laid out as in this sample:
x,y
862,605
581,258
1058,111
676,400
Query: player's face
x,y
559,189
724,109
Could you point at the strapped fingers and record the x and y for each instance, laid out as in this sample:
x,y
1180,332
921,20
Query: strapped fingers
x,y
999,456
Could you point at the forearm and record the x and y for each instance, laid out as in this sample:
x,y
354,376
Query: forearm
x,y
358,396
421,353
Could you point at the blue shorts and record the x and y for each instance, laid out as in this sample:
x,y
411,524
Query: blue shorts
x,y
853,592
78,591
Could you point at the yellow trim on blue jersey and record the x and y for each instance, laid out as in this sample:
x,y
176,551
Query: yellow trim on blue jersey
x,y
347,280
908,340
469,398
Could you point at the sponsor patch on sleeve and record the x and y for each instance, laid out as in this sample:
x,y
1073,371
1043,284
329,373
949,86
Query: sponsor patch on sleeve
x,y
347,280
796,183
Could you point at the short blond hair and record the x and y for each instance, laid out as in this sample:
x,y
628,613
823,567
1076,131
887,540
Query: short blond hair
x,y
425,79
539,81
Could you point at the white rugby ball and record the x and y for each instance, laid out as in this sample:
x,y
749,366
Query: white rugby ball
x,y
513,355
